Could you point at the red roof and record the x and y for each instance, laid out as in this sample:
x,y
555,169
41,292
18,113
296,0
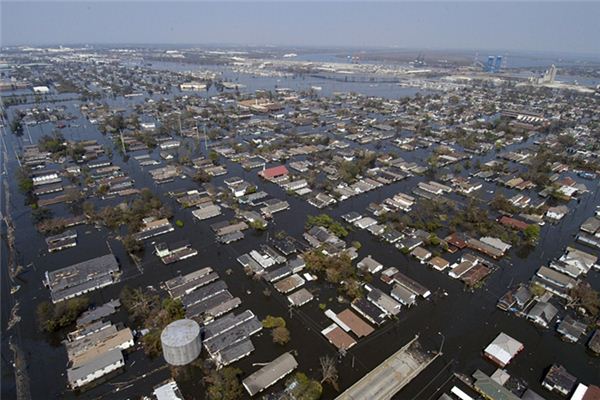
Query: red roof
x,y
513,223
456,240
274,172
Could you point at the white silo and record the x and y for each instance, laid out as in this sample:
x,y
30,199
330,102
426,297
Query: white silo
x,y
181,342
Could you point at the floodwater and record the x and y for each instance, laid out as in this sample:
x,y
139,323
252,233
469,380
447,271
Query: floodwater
x,y
463,322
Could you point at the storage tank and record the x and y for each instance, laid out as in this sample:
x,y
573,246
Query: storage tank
x,y
181,342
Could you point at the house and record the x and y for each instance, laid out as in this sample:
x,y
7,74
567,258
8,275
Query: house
x,y
300,297
68,282
370,265
274,172
542,313
411,285
571,329
96,368
421,254
369,311
338,337
409,243
269,374
584,392
403,295
554,281
168,391
580,261
490,389
359,327
439,263
381,300
559,380
513,223
457,240
515,300
594,342
503,349
351,217
365,222
496,243
557,213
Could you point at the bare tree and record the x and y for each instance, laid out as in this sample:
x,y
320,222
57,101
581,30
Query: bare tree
x,y
329,371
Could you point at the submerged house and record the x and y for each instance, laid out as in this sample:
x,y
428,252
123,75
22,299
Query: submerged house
x,y
503,349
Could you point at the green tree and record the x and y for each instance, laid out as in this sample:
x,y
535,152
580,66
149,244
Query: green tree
x,y
271,322
304,388
532,233
224,384
53,317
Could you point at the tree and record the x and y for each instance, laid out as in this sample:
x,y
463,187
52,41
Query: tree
x,y
271,322
202,177
258,224
224,384
303,388
585,297
132,245
40,214
25,182
329,371
281,335
16,126
53,317
328,222
532,234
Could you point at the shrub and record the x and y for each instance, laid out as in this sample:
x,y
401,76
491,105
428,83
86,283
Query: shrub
x,y
281,335
271,322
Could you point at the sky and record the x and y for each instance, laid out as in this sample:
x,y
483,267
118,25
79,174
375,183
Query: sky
x,y
559,27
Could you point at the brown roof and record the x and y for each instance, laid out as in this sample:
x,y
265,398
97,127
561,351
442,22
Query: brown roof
x,y
358,326
513,223
339,338
455,240
475,274
439,262
592,393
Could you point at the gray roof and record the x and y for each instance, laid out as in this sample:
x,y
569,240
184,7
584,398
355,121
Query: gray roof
x,y
491,388
270,373
104,360
81,277
544,311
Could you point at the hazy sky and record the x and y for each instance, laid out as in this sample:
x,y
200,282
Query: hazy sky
x,y
544,26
